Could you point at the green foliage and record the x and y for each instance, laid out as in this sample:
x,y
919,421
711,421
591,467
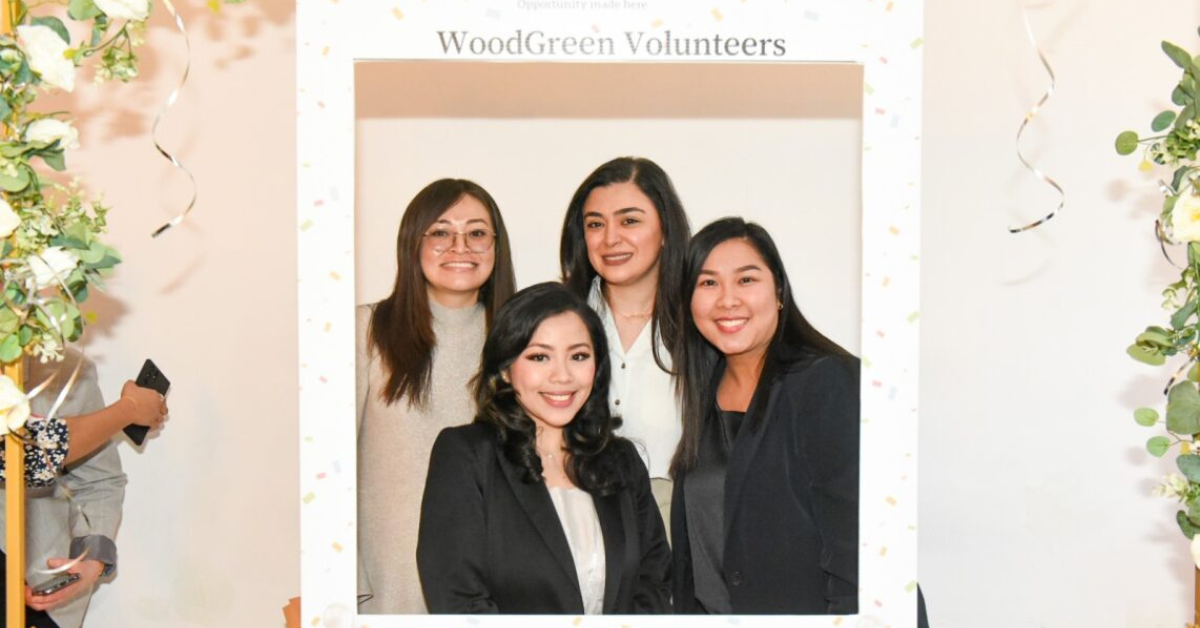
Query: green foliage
x,y
1185,526
1183,408
1157,445
1146,417
1127,142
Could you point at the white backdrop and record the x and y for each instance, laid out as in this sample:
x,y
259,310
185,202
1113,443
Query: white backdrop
x,y
1034,492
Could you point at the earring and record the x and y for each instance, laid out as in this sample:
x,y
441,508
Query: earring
x,y
780,306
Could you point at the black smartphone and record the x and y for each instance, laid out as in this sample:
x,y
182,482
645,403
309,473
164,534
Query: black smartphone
x,y
152,378
58,582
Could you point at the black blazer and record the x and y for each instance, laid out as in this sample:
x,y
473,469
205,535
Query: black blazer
x,y
791,497
492,543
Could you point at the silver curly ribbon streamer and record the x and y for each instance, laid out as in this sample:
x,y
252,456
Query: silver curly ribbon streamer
x,y
1029,116
187,68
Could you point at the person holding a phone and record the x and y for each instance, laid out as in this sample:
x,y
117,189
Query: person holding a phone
x,y
53,442
60,530
416,352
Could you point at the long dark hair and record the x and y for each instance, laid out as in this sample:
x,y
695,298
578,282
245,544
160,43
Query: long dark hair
x,y
699,360
401,328
593,462
577,271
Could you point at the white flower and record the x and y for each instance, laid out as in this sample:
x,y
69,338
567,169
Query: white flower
x,y
52,266
48,130
14,405
9,220
1196,550
47,56
1185,217
1174,486
136,10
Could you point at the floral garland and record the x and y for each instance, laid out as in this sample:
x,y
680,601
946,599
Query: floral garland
x,y
1176,145
51,254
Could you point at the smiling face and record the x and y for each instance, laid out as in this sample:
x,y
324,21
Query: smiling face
x,y
623,233
553,376
453,277
735,305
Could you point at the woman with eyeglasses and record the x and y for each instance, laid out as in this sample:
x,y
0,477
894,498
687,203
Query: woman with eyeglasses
x,y
416,352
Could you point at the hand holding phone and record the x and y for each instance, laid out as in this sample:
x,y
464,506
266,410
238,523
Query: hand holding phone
x,y
149,377
58,582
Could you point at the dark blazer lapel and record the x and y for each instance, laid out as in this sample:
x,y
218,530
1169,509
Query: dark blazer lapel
x,y
535,500
744,447
619,526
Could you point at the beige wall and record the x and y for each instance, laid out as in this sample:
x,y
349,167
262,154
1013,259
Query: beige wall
x,y
1034,490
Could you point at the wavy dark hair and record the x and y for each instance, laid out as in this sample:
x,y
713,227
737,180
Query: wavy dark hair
x,y
699,359
401,328
577,271
595,462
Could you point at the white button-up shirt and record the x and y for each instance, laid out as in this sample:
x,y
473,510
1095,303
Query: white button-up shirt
x,y
641,392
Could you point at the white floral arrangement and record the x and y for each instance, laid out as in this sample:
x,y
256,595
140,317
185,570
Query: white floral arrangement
x,y
51,254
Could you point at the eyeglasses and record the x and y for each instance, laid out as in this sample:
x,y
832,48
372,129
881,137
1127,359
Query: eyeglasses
x,y
477,240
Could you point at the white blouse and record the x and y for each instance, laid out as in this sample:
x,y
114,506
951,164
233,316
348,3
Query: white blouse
x,y
577,512
641,393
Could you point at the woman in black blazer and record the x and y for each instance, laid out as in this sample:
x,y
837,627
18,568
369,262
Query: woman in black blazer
x,y
537,507
764,517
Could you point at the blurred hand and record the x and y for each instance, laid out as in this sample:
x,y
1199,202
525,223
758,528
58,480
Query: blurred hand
x,y
147,407
89,571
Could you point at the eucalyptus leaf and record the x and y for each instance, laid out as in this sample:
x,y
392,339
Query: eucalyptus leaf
x,y
1162,121
10,348
1193,511
1158,445
1189,466
1127,142
82,10
9,321
55,160
1183,408
14,184
1153,338
1180,97
1146,356
1185,526
55,25
1177,180
1177,55
1194,372
1146,417
1180,317
1187,113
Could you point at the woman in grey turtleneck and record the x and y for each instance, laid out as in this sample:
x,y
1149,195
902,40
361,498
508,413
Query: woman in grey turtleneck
x,y
416,351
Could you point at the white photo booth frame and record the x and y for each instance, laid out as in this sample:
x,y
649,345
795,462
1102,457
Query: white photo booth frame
x,y
883,36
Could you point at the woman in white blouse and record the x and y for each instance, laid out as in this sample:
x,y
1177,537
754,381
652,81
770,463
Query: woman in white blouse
x,y
624,240
537,507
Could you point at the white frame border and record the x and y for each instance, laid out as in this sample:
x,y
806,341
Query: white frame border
x,y
884,36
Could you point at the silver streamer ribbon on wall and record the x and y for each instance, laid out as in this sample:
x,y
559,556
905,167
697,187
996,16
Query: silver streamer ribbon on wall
x,y
1029,116
187,68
